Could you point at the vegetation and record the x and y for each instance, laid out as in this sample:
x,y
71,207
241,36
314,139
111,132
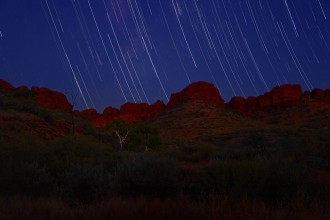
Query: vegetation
x,y
141,170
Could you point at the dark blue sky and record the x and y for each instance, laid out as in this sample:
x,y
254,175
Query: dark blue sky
x,y
112,51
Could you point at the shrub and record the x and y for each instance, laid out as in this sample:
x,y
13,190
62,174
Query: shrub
x,y
147,175
69,150
144,137
27,179
287,180
85,183
238,177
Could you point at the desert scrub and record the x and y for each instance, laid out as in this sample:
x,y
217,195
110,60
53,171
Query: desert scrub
x,y
147,175
84,183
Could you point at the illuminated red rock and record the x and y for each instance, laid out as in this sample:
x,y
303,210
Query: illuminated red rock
x,y
51,99
89,113
100,121
237,103
285,94
280,96
198,92
317,93
129,112
132,112
156,108
5,85
110,112
263,101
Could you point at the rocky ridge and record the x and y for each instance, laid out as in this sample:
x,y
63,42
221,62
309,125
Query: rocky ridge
x,y
263,107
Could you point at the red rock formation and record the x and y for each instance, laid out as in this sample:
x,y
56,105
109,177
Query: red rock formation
x,y
237,103
263,101
263,107
89,113
51,99
280,96
285,95
157,108
5,85
201,92
133,112
317,93
129,112
111,112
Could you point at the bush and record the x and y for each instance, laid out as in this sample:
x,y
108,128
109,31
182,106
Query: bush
x,y
27,179
144,137
85,183
238,177
69,150
198,153
287,180
147,175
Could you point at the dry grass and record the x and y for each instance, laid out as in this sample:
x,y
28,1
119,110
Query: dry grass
x,y
143,208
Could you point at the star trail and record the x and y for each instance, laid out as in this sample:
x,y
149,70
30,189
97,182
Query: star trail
x,y
113,51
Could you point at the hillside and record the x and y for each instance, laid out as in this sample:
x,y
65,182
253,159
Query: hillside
x,y
270,152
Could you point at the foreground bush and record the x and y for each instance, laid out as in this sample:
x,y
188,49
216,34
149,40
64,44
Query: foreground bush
x,y
147,175
84,183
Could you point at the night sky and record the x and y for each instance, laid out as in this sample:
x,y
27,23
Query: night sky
x,y
109,52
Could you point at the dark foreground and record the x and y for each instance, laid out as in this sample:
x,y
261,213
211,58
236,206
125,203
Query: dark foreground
x,y
217,207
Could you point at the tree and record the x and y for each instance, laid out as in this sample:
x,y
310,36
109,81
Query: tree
x,y
121,130
135,136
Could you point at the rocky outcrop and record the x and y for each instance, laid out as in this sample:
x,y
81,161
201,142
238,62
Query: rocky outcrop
x,y
89,113
133,112
280,96
201,92
285,95
111,112
129,112
6,86
51,99
317,93
265,107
